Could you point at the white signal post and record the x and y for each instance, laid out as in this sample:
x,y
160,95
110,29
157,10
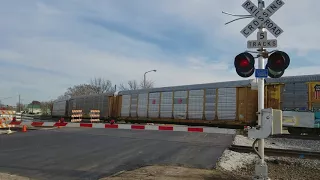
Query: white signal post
x,y
261,102
261,88
261,20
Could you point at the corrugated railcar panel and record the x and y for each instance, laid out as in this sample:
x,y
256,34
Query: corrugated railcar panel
x,y
59,108
134,104
99,102
79,102
104,106
247,103
125,106
72,105
180,105
116,108
154,100
90,104
273,96
142,105
210,105
166,104
195,106
227,98
295,96
86,106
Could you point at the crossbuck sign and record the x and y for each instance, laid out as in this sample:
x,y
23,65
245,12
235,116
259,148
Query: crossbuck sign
x,y
262,17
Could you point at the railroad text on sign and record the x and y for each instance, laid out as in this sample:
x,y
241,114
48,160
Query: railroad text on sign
x,y
262,18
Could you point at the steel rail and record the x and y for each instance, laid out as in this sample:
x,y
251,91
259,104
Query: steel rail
x,y
279,152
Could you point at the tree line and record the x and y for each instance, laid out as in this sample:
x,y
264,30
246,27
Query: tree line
x,y
95,86
101,85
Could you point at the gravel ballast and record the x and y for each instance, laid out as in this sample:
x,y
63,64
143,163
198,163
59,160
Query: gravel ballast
x,y
281,143
282,168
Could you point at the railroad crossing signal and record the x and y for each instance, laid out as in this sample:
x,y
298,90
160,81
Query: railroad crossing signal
x,y
262,17
244,64
278,62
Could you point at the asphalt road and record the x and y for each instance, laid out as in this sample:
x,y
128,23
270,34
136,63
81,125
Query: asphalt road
x,y
79,153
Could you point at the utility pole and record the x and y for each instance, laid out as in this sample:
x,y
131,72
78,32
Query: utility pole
x,y
19,104
144,77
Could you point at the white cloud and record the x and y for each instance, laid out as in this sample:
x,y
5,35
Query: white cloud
x,y
47,10
54,48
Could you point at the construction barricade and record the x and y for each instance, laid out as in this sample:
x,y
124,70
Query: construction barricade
x,y
18,116
94,116
6,117
76,116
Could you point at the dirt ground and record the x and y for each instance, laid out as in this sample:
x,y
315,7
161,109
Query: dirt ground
x,y
278,170
293,169
5,176
174,173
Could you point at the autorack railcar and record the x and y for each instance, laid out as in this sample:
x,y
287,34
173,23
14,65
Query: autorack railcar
x,y
232,103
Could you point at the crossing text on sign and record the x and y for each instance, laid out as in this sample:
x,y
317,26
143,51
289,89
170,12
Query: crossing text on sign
x,y
262,17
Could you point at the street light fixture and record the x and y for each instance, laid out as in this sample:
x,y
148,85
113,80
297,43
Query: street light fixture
x,y
144,77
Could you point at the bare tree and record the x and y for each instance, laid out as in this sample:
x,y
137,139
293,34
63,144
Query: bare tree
x,y
96,86
146,85
101,85
46,106
82,89
133,85
20,107
50,106
63,97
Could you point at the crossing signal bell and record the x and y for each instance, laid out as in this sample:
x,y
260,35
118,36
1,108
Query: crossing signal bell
x,y
244,64
278,62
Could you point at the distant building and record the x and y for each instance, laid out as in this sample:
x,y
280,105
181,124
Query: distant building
x,y
34,107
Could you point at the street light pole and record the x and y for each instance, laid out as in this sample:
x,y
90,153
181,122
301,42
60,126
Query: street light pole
x,y
144,77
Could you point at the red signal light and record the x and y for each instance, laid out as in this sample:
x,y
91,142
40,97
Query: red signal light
x,y
278,62
244,64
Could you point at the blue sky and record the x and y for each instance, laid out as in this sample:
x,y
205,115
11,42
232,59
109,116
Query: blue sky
x,y
49,45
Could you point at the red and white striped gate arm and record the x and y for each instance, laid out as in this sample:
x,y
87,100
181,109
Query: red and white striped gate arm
x,y
130,126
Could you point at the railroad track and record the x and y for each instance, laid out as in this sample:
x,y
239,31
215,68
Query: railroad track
x,y
290,136
278,152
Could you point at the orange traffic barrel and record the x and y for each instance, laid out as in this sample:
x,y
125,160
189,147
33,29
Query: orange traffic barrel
x,y
24,128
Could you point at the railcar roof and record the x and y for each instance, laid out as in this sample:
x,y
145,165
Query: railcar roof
x,y
227,84
92,95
